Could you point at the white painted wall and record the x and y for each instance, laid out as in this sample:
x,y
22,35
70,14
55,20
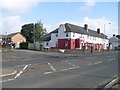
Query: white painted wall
x,y
45,44
61,31
54,39
62,35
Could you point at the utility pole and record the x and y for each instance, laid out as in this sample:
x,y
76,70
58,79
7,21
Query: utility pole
x,y
104,34
34,32
104,37
34,35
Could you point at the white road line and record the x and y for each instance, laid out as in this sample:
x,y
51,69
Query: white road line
x,y
90,57
52,67
20,72
98,62
26,59
7,80
70,63
48,72
62,70
90,64
111,59
16,75
108,56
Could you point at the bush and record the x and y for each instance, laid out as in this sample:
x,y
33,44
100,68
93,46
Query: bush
x,y
24,45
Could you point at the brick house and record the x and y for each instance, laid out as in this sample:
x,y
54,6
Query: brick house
x,y
69,36
13,38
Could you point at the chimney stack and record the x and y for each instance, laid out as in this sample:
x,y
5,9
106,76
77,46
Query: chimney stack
x,y
86,27
113,35
98,30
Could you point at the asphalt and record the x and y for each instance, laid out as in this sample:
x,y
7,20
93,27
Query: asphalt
x,y
80,75
7,72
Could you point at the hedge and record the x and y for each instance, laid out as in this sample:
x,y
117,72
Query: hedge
x,y
24,45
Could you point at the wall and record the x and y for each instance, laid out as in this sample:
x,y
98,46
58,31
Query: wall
x,y
18,38
31,46
36,46
45,44
54,40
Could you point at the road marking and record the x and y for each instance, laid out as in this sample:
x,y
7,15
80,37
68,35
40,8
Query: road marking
x,y
70,63
48,72
26,59
90,64
20,72
7,80
98,62
16,75
108,56
90,57
52,67
111,59
8,74
62,70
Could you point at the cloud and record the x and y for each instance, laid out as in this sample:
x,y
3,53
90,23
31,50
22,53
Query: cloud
x,y
17,6
89,4
10,24
93,24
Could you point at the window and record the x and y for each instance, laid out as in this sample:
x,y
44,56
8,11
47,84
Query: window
x,y
73,34
73,43
56,44
47,43
66,44
90,37
66,34
56,35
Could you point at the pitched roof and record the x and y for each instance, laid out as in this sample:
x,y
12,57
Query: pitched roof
x,y
81,30
11,35
76,29
3,36
46,37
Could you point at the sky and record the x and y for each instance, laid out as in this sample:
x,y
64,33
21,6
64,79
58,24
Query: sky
x,y
95,13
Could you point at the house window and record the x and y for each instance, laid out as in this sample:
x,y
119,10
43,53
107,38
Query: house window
x,y
47,43
73,34
66,44
56,44
73,43
56,35
90,37
66,34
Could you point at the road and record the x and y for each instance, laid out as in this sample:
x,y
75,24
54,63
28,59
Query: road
x,y
59,70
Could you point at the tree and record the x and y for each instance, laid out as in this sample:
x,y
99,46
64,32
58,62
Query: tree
x,y
40,31
33,31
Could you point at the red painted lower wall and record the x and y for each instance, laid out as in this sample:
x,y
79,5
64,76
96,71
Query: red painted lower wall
x,y
72,43
62,42
66,43
77,43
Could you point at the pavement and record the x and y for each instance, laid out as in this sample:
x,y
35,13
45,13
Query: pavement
x,y
7,72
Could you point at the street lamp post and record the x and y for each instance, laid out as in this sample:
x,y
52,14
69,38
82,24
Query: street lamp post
x,y
104,34
34,35
34,32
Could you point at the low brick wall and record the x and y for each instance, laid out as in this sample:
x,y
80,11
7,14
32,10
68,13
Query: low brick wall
x,y
36,46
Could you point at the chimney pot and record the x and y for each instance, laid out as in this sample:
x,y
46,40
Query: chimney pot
x,y
113,35
98,30
86,27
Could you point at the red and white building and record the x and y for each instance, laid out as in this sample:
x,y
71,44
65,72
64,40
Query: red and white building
x,y
69,36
